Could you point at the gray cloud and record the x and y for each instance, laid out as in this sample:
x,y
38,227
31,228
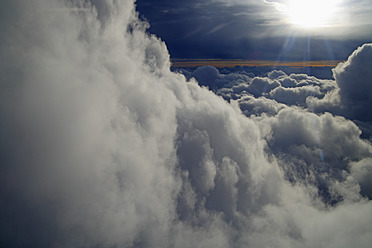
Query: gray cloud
x,y
353,77
103,146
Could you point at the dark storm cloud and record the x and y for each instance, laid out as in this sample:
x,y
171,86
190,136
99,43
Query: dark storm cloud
x,y
103,146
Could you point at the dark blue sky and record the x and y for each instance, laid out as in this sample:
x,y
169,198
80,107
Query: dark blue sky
x,y
255,30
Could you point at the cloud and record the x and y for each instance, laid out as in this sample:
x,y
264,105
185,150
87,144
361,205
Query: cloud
x,y
250,105
321,147
348,94
206,75
353,77
103,146
296,96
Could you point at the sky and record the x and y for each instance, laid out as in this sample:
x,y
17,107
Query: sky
x,y
103,144
259,29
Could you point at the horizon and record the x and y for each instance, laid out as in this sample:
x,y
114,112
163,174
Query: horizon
x,y
229,63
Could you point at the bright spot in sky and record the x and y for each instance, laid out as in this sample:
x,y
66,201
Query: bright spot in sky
x,y
311,13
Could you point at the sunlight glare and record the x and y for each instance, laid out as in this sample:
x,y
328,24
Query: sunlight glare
x,y
311,13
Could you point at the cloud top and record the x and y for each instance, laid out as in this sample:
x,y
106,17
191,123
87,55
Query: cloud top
x,y
354,78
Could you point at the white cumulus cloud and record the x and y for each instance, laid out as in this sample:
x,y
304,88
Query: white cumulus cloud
x,y
103,146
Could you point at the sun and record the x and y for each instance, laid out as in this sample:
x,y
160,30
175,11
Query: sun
x,y
311,13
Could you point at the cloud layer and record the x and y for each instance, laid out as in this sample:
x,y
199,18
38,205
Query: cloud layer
x,y
103,146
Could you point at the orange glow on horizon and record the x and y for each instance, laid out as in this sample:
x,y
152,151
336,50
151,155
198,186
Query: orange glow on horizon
x,y
251,63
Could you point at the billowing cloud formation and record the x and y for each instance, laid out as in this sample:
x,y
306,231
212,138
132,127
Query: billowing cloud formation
x,y
354,78
103,146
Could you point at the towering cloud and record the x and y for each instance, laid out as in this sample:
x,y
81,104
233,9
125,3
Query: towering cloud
x,y
354,78
103,146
